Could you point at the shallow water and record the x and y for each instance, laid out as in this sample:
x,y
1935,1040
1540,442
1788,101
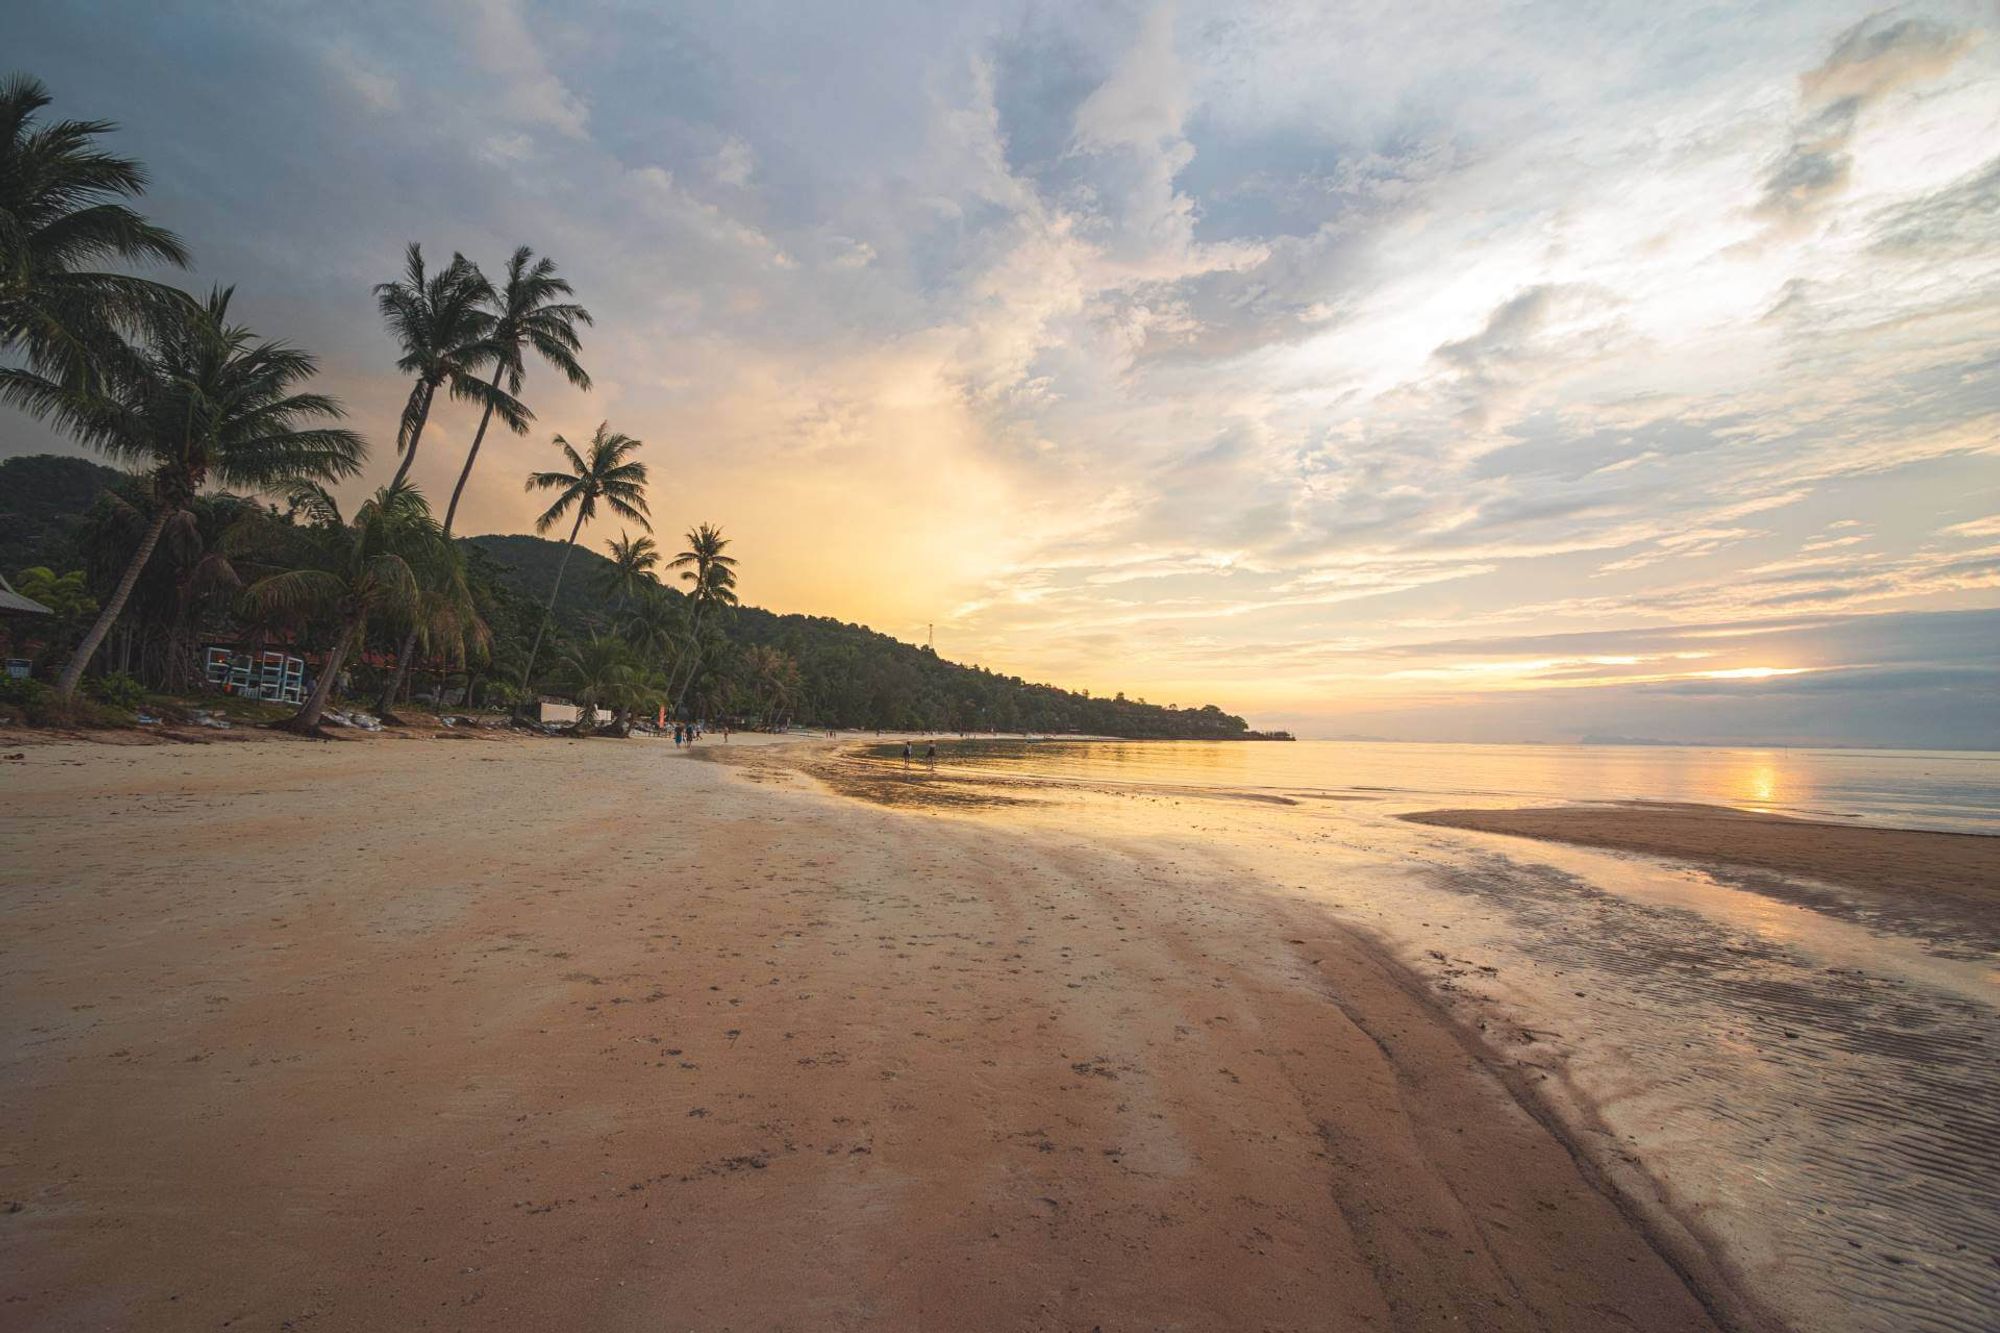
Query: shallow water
x,y
1816,1093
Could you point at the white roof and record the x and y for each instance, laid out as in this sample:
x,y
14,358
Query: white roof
x,y
15,602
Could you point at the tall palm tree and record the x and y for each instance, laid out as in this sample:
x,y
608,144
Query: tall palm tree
x,y
450,331
205,401
630,573
610,474
347,573
713,575
443,325
60,216
528,313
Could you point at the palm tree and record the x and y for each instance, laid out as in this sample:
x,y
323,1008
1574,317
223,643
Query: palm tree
x,y
59,215
630,572
205,401
442,322
609,474
600,670
527,313
713,575
348,573
449,332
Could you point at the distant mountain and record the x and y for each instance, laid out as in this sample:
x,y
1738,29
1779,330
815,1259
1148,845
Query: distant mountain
x,y
42,500
855,677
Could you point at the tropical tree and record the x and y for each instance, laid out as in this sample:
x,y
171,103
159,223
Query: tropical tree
x,y
653,625
206,400
343,574
529,313
443,326
713,575
60,216
609,474
600,670
630,573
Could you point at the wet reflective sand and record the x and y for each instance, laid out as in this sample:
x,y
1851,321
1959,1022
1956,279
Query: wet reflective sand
x,y
1809,1085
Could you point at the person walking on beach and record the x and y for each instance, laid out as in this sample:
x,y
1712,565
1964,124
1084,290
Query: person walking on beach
x,y
906,754
930,754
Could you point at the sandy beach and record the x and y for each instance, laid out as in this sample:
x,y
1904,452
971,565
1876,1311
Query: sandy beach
x,y
1879,873
509,1034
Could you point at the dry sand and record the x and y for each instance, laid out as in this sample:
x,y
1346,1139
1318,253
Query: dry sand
x,y
547,1034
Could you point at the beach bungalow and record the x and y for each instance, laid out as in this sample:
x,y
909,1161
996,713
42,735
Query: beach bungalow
x,y
22,611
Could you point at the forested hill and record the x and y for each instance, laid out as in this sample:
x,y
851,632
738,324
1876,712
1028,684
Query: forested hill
x,y
848,675
855,677
42,501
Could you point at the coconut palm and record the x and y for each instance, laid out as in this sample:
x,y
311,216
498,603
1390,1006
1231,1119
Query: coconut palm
x,y
713,575
653,625
344,574
206,401
600,670
60,215
528,313
609,474
443,325
630,573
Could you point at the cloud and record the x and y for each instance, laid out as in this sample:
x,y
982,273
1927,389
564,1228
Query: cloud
x,y
1258,354
1869,61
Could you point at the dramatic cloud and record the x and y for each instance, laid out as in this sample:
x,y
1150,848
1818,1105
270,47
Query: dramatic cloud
x,y
1513,371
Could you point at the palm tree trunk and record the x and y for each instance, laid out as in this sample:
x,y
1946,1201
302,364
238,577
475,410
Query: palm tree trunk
x,y
549,610
73,672
393,691
410,454
471,457
694,646
309,714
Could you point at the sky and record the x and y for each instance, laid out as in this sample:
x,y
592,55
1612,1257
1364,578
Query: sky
x,y
1427,371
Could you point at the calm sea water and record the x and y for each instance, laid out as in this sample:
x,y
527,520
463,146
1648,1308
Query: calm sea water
x,y
1811,1081
1921,789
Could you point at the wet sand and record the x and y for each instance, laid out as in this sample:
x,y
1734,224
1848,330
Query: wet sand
x,y
1948,882
1965,866
586,1034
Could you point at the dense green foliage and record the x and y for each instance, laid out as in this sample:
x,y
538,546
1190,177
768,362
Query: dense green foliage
x,y
851,676
42,501
843,675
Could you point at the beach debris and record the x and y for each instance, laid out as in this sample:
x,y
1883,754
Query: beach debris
x,y
202,717
146,719
357,719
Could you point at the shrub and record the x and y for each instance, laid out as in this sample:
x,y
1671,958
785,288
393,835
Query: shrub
x,y
118,689
25,699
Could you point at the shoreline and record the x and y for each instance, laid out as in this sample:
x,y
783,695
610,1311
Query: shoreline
x,y
1941,884
924,1054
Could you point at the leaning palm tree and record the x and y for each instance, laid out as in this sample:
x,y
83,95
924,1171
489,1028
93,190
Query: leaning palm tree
x,y
610,474
528,313
713,575
206,401
630,573
60,216
449,333
345,574
442,323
